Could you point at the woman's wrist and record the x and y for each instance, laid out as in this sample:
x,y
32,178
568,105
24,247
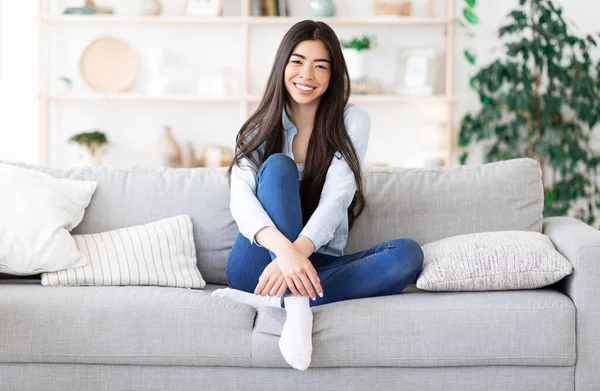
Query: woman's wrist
x,y
304,245
272,239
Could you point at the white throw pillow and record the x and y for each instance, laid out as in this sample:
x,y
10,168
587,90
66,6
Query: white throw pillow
x,y
161,253
37,211
490,261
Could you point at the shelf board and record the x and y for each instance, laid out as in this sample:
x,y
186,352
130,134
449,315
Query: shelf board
x,y
138,97
252,20
142,19
130,96
373,20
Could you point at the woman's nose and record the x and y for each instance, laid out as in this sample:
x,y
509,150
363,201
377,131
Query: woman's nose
x,y
306,73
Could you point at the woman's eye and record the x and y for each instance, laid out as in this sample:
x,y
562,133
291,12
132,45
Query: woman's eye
x,y
322,67
295,62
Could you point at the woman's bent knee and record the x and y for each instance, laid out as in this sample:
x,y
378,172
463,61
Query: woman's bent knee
x,y
409,252
280,163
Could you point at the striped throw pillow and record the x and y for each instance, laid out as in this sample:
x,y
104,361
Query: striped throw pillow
x,y
161,253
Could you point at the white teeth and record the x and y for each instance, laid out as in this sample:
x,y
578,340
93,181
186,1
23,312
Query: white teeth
x,y
303,88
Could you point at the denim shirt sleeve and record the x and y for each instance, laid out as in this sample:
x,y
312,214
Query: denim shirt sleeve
x,y
246,209
340,184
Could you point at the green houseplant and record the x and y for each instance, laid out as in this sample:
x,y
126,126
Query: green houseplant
x,y
354,50
541,100
91,145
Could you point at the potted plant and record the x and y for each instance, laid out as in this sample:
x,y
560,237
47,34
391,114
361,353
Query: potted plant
x,y
91,145
354,50
541,99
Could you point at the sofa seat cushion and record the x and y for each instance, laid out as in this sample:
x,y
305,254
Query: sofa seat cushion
x,y
424,329
144,325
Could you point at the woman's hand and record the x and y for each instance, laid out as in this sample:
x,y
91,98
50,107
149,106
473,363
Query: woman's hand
x,y
271,281
299,273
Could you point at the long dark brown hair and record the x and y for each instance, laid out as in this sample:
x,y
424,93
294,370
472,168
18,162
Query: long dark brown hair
x,y
329,135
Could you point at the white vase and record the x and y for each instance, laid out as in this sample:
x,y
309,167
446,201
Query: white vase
x,y
91,155
355,62
150,7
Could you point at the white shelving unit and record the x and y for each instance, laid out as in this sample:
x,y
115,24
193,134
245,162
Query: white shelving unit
x,y
47,20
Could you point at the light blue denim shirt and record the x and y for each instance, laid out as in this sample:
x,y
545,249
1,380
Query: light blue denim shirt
x,y
328,225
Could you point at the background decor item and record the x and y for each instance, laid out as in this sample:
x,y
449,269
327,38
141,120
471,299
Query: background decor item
x,y
188,156
365,87
322,8
90,8
217,156
91,146
470,19
156,66
417,71
109,65
203,7
392,7
150,7
270,8
64,85
541,99
354,54
168,149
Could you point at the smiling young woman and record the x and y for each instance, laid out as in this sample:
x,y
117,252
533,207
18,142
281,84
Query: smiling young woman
x,y
296,190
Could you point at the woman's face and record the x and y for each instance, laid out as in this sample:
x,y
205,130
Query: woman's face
x,y
307,72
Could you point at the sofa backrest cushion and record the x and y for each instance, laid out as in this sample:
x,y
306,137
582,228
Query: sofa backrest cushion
x,y
422,204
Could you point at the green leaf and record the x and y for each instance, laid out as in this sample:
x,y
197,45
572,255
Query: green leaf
x,y
471,3
591,40
469,56
470,16
462,24
522,2
463,158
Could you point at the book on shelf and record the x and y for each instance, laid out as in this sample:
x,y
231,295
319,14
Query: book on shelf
x,y
270,8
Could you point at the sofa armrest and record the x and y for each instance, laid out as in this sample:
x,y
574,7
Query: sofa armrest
x,y
580,244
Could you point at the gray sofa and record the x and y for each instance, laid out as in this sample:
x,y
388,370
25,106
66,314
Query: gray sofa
x,y
157,338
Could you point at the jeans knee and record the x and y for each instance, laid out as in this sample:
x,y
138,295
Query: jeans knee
x,y
281,161
279,165
410,253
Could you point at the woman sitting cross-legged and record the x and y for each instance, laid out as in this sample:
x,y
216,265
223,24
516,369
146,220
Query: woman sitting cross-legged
x,y
296,190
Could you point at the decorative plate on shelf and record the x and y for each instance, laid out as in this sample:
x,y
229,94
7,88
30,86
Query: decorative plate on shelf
x,y
109,64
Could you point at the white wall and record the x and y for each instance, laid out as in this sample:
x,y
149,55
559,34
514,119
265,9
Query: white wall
x,y
397,133
19,76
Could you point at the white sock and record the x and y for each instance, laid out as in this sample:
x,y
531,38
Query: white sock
x,y
296,337
255,301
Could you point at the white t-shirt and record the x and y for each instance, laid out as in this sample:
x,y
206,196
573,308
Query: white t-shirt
x,y
300,169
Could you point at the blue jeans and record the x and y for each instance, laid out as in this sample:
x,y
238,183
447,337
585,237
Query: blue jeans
x,y
384,269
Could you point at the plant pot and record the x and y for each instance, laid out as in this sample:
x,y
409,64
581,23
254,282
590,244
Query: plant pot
x,y
355,62
91,154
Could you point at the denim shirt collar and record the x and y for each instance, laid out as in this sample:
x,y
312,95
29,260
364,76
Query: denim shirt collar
x,y
288,126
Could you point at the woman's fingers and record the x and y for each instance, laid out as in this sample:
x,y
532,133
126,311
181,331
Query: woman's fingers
x,y
299,285
314,278
292,285
276,285
268,286
282,289
308,286
262,282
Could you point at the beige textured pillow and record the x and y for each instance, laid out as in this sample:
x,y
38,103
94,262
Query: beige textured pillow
x,y
492,261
